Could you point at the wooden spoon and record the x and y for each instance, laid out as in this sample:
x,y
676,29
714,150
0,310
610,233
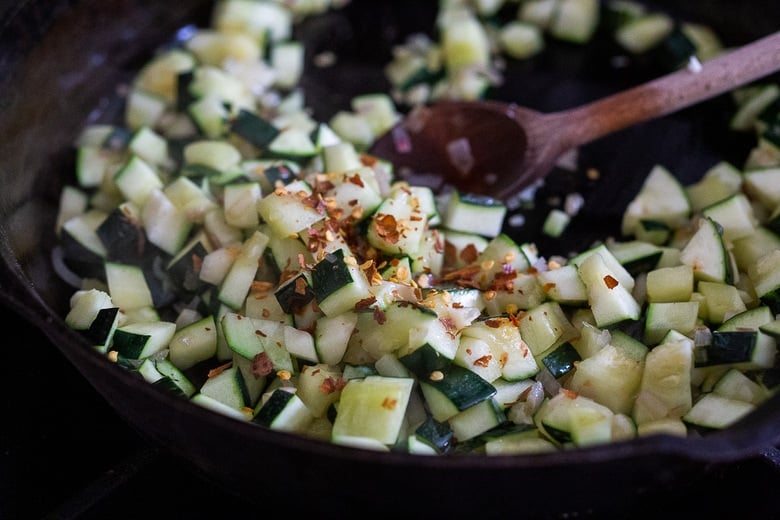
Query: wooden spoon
x,y
497,149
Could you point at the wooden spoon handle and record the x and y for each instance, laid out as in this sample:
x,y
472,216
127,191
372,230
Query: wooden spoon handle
x,y
670,93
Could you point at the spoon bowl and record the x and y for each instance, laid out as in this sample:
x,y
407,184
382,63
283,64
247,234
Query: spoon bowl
x,y
497,149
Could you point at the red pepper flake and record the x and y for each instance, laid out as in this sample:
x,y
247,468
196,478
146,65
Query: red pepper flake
x,y
300,286
493,323
332,384
389,404
379,316
610,282
569,393
262,287
322,185
261,333
484,361
387,228
469,254
197,263
365,303
214,372
438,244
356,180
548,287
314,201
449,326
368,160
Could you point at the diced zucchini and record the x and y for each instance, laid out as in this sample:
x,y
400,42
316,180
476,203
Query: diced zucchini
x,y
338,284
513,357
660,198
453,389
127,286
575,20
665,316
480,215
716,411
670,284
227,387
283,410
194,343
610,300
568,418
706,253
612,375
476,420
665,388
735,216
143,339
373,407
136,180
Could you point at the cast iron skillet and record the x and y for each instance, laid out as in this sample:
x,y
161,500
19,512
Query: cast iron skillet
x,y
59,64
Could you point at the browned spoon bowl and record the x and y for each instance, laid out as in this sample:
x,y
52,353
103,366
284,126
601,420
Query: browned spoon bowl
x,y
497,149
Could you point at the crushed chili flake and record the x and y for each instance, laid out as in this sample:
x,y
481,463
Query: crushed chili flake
x,y
262,365
332,384
260,333
469,254
387,228
356,180
610,282
259,286
569,393
214,372
379,316
389,403
197,263
484,361
449,325
548,287
300,286
365,303
322,185
368,160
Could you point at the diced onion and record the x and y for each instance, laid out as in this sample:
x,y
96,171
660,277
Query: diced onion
x,y
63,271
459,154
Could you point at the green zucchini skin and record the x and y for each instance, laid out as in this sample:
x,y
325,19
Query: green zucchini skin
x,y
731,347
101,330
256,130
329,275
435,433
272,408
561,360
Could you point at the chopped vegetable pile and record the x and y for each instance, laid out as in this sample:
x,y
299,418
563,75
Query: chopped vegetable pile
x,y
229,248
